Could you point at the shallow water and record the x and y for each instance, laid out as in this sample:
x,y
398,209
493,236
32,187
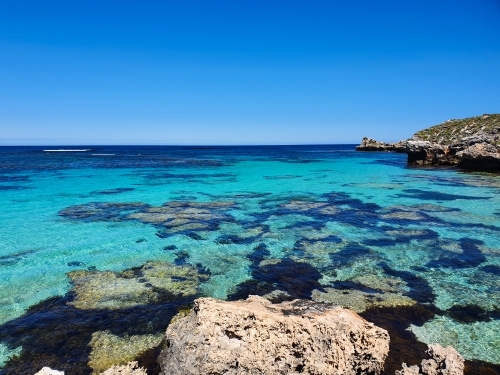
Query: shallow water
x,y
299,222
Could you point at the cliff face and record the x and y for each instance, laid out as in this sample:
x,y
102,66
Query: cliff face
x,y
471,143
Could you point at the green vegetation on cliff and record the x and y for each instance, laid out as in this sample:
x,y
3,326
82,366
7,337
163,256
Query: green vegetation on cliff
x,y
453,131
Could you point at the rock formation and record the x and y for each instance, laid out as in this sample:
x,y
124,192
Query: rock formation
x,y
369,144
440,361
471,143
257,337
49,371
131,368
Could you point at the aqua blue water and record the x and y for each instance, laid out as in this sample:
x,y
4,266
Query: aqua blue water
x,y
331,215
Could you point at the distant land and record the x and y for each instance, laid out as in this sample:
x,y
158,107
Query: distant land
x,y
469,143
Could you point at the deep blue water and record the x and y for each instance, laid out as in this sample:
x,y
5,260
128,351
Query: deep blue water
x,y
118,239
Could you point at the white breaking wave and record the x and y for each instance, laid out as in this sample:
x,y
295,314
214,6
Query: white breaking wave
x,y
103,154
68,150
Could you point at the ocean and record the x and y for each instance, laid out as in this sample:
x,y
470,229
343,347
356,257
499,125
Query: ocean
x,y
104,244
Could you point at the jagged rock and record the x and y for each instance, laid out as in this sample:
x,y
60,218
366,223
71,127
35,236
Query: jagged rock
x,y
480,156
49,371
369,144
440,361
131,368
471,143
257,337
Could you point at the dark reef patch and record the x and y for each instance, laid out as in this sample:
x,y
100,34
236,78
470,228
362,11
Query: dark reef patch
x,y
55,334
472,313
14,187
181,257
480,367
101,211
435,195
350,254
420,290
76,263
169,248
471,256
11,259
493,269
296,279
403,346
112,191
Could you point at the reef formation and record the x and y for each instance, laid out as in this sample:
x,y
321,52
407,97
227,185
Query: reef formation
x,y
470,143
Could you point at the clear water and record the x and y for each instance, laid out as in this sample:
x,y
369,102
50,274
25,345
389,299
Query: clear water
x,y
345,215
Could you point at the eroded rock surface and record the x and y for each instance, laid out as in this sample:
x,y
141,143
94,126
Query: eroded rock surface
x,y
131,368
257,337
369,144
471,143
49,371
439,361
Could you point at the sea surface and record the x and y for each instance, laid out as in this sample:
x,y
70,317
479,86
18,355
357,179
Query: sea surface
x,y
106,244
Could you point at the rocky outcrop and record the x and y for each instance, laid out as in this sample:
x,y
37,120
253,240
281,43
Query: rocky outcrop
x,y
471,143
369,144
49,371
131,368
439,361
257,337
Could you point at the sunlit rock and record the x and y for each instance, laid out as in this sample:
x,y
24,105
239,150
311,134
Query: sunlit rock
x,y
255,336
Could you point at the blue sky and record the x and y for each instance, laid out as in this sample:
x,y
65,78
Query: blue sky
x,y
242,72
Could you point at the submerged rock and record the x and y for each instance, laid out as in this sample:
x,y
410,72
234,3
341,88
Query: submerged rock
x,y
439,361
360,301
131,368
152,282
109,349
257,337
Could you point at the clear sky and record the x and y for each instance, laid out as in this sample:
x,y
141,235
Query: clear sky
x,y
242,71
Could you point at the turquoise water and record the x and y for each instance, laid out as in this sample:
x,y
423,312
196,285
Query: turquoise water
x,y
298,222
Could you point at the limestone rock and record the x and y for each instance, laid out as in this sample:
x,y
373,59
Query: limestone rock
x,y
471,143
131,368
256,337
480,155
440,361
49,371
369,144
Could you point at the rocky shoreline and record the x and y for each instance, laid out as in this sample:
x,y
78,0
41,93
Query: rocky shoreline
x,y
254,336
472,143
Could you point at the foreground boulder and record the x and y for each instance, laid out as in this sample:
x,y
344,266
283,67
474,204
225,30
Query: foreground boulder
x,y
257,337
439,361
